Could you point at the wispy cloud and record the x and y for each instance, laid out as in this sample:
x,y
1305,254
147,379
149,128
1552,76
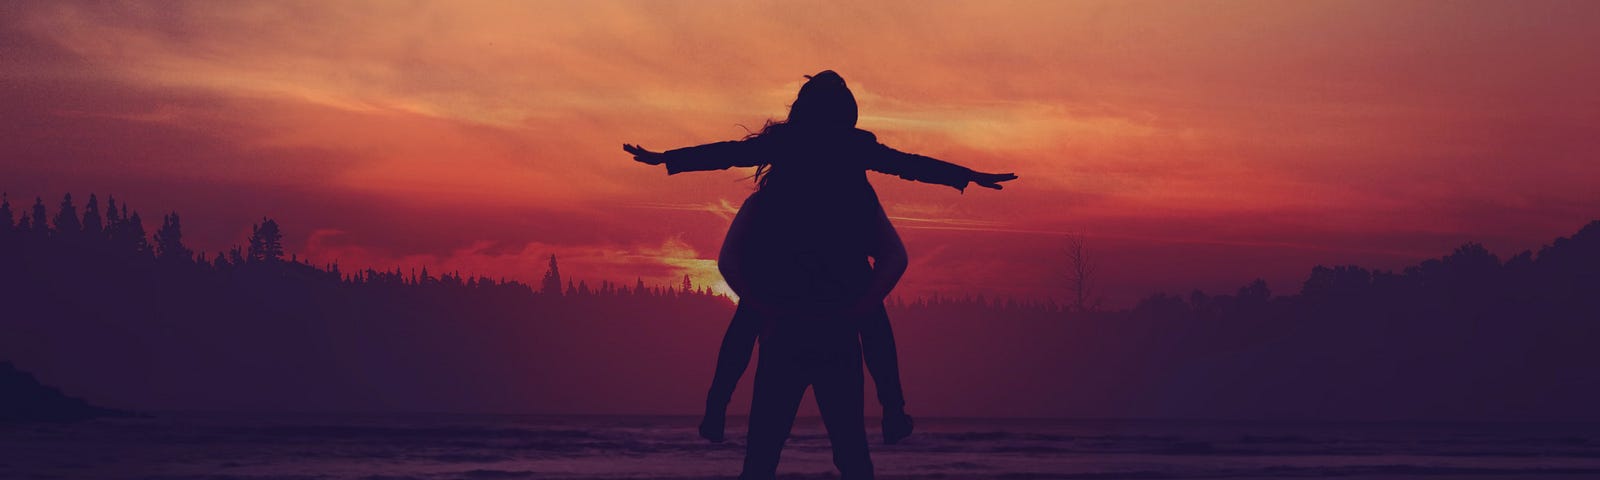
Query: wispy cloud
x,y
1265,118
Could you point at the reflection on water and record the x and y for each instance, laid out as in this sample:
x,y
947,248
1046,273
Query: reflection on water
x,y
419,446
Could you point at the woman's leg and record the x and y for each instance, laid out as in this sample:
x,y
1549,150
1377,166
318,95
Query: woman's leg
x,y
732,359
878,348
877,345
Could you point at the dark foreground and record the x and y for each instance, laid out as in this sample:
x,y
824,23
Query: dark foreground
x,y
419,446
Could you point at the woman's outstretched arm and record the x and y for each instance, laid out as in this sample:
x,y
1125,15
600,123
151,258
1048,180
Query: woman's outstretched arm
x,y
920,168
699,158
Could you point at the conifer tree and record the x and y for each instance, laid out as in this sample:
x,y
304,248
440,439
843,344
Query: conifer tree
x,y
39,226
552,278
266,242
67,218
113,218
133,232
114,221
92,223
169,240
7,222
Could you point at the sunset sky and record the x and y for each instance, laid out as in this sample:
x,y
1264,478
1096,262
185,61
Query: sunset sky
x,y
1194,144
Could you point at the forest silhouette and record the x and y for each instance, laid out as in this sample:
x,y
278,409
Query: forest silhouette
x,y
134,320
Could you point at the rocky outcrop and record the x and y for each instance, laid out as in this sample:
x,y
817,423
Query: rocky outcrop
x,y
24,399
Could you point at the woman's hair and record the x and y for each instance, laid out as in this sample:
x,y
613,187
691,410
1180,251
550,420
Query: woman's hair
x,y
824,102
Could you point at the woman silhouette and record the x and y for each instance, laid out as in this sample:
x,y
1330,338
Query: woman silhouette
x,y
797,256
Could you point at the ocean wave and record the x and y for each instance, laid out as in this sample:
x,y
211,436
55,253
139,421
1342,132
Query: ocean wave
x,y
403,447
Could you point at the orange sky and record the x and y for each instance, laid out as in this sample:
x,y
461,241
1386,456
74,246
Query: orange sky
x,y
1195,144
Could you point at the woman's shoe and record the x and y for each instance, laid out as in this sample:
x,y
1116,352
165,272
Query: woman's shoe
x,y
897,426
712,426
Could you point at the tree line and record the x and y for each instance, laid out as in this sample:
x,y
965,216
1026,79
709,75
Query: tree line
x,y
115,238
1470,281
89,299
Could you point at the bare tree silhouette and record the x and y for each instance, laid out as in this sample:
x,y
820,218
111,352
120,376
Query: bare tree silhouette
x,y
1081,268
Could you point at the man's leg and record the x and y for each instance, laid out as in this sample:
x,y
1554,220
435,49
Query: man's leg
x,y
839,391
778,390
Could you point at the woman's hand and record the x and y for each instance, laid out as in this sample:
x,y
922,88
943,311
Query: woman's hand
x,y
992,180
644,156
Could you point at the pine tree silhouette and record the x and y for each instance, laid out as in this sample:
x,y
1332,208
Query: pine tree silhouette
x,y
169,240
552,279
39,227
7,221
67,224
266,242
113,218
114,223
92,225
132,238
23,224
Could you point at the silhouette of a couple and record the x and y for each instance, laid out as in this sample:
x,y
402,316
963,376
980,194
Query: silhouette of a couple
x,y
812,255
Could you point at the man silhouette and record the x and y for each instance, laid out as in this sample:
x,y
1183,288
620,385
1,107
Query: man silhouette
x,y
803,275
